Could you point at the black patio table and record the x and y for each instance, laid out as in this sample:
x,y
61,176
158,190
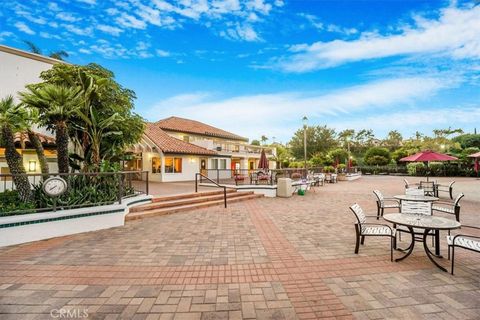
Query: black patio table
x,y
428,223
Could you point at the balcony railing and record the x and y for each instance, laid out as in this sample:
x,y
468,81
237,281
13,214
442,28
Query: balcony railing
x,y
249,149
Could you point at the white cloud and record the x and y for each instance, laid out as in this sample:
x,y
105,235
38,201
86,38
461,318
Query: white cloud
x,y
414,120
109,29
244,32
162,53
66,16
253,115
90,2
4,35
129,21
85,51
53,6
455,33
78,30
21,26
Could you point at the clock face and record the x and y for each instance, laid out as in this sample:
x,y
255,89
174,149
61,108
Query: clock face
x,y
54,186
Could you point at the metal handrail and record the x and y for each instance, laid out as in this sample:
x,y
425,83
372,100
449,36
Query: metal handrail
x,y
216,184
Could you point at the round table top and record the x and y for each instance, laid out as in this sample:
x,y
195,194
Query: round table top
x,y
422,221
410,197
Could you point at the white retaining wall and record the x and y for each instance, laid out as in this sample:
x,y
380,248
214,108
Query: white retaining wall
x,y
101,217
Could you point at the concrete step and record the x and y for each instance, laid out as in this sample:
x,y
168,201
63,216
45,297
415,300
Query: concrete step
x,y
191,195
187,200
170,210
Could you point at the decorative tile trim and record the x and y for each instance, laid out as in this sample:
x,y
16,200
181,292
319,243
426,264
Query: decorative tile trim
x,y
82,215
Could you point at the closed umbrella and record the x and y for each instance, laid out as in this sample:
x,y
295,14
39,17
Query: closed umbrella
x,y
428,156
476,165
263,163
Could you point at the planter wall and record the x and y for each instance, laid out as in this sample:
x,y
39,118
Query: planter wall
x,y
39,226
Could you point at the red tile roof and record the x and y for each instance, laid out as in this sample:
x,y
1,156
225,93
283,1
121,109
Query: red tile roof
x,y
44,139
191,126
169,144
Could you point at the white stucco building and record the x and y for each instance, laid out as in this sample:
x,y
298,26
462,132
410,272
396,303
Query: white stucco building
x,y
174,149
17,69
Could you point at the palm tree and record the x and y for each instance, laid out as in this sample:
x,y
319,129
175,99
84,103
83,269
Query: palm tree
x,y
59,55
97,128
12,118
264,139
56,105
33,117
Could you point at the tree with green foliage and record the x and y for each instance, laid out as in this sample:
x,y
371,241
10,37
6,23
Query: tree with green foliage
x,y
319,139
56,105
12,119
31,120
255,142
338,155
264,139
377,156
393,140
468,140
104,101
283,155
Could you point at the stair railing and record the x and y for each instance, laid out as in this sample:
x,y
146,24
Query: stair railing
x,y
199,175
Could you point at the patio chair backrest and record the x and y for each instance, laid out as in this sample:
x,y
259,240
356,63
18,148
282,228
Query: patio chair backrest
x,y
379,196
358,212
417,207
407,185
427,186
414,192
451,184
457,200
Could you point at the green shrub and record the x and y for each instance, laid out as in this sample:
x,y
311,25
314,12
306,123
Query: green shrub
x,y
377,156
328,169
415,168
10,201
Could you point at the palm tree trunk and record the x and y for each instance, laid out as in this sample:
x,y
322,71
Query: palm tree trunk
x,y
37,144
62,147
15,164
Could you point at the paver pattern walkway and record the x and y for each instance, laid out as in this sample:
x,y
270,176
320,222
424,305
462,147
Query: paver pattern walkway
x,y
265,259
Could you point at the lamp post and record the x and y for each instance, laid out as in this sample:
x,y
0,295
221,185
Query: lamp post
x,y
348,155
305,124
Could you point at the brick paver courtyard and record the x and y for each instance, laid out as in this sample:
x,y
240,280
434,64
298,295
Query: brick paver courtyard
x,y
266,259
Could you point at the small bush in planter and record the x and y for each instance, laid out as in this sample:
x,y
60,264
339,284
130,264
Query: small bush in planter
x,y
328,169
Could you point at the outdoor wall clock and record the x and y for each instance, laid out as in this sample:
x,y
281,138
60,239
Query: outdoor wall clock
x,y
55,186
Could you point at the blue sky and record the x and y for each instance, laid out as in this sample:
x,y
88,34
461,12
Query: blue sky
x,y
257,66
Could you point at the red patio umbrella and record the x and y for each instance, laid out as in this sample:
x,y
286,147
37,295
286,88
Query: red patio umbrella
x,y
263,163
428,156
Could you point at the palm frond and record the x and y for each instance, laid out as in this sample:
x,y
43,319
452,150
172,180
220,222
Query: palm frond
x,y
33,47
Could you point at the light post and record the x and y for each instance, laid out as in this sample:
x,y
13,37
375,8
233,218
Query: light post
x,y
348,155
305,124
